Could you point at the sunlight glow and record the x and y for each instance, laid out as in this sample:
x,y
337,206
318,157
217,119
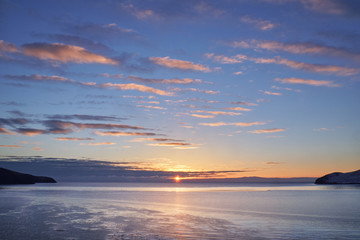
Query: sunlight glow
x,y
177,179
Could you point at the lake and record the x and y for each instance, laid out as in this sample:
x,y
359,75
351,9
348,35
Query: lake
x,y
179,211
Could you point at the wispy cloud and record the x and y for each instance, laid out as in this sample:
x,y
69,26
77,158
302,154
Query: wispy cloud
x,y
73,139
258,23
138,87
270,93
299,48
5,131
200,115
195,90
64,53
117,133
325,6
152,107
11,146
101,143
308,82
164,81
238,124
238,109
140,13
219,113
338,70
226,60
179,64
118,86
244,103
269,130
7,47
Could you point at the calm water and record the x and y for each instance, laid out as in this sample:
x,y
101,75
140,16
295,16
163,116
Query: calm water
x,y
179,211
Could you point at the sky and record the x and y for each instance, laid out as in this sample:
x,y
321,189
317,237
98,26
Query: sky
x,y
201,89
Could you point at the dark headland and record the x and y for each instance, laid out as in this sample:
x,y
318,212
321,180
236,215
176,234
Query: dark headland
x,y
11,177
340,178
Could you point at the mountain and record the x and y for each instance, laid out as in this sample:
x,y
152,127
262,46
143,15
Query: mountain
x,y
11,177
340,178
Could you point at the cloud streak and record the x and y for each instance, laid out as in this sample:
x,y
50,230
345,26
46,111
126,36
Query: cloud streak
x,y
165,81
318,83
237,124
269,130
338,70
258,23
179,64
64,53
226,60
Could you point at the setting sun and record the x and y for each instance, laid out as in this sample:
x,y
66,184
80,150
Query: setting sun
x,y
177,179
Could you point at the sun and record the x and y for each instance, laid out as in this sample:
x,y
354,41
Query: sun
x,y
177,179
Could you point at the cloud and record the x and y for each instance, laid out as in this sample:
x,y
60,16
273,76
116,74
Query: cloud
x,y
73,139
201,116
7,47
342,71
271,93
238,73
323,129
299,48
64,53
258,23
5,131
129,86
113,76
83,117
152,107
273,163
179,64
140,13
165,81
238,109
195,90
238,124
11,146
116,133
308,82
219,113
269,130
244,103
133,86
325,6
13,121
170,144
30,131
101,143
72,170
226,60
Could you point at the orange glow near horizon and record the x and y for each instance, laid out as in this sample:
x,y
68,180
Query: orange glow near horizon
x,y
177,179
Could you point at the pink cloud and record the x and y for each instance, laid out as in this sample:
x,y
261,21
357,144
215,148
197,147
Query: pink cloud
x,y
238,109
73,139
165,81
179,64
239,124
342,71
64,53
11,146
5,131
308,82
258,23
101,143
219,113
269,130
133,86
116,133
226,60
7,47
271,93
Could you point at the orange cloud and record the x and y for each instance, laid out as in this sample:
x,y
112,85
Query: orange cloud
x,y
179,64
239,124
308,82
226,60
271,93
238,109
152,107
258,23
73,139
7,47
269,130
219,113
165,81
101,143
64,53
201,116
343,71
116,133
5,131
11,146
133,86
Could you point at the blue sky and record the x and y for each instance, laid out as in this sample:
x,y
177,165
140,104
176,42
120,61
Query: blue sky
x,y
264,88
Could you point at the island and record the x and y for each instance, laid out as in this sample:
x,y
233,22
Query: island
x,y
11,177
340,178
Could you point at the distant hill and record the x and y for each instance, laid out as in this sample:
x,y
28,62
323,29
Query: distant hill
x,y
11,177
340,178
